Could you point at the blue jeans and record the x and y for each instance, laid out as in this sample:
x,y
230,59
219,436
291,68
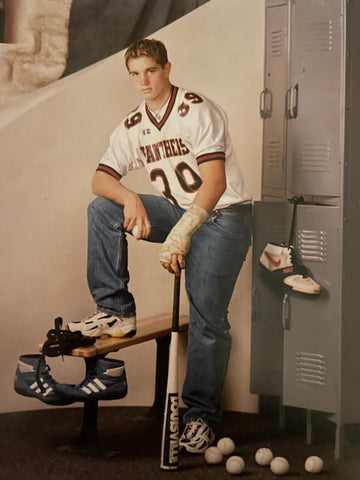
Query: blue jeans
x,y
218,250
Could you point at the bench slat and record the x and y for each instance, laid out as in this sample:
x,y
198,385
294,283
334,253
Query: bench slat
x,y
147,329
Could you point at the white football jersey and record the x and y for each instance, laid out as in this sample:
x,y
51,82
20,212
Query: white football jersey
x,y
192,130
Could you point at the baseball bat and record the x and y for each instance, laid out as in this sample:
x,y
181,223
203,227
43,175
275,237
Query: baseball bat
x,y
170,432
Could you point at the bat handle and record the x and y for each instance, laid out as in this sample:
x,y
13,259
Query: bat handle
x,y
176,303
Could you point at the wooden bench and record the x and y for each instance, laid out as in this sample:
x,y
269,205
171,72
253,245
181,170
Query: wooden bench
x,y
156,327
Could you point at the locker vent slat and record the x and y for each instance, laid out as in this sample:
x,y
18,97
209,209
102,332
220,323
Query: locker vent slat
x,y
315,157
276,41
311,245
273,153
310,368
319,36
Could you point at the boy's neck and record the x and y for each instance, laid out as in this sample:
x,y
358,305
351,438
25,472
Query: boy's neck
x,y
160,102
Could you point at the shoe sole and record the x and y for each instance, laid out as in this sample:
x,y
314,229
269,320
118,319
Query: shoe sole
x,y
308,292
115,332
120,333
269,271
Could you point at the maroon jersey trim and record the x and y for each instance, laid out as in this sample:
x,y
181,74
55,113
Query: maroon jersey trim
x,y
207,157
170,106
109,170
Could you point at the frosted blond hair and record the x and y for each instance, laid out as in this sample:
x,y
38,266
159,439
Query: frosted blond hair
x,y
148,48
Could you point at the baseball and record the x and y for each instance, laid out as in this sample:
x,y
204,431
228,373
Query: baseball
x,y
314,464
136,232
213,455
279,466
235,465
263,456
226,445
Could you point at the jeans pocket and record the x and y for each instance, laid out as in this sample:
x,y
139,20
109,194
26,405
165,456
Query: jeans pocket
x,y
235,224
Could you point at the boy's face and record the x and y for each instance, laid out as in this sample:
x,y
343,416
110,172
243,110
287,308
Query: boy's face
x,y
150,80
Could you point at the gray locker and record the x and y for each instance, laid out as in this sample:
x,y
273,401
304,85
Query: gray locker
x,y
313,328
305,349
315,100
272,99
295,337
266,328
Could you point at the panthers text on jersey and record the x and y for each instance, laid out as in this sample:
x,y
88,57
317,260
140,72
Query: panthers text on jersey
x,y
192,130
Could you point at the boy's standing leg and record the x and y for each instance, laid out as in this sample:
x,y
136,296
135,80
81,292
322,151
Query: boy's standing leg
x,y
213,263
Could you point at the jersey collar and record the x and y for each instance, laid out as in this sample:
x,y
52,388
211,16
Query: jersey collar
x,y
169,108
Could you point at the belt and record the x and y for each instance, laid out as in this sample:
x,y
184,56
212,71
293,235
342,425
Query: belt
x,y
235,207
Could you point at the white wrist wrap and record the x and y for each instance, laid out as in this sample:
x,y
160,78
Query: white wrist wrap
x,y
178,240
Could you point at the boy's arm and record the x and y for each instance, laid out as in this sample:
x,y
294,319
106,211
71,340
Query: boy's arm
x,y
177,244
105,185
213,184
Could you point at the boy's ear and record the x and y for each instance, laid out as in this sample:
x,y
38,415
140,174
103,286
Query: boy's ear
x,y
167,68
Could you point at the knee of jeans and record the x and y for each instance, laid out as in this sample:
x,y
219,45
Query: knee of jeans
x,y
105,212
209,321
100,205
93,207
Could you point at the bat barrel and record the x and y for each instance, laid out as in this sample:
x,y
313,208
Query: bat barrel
x,y
170,433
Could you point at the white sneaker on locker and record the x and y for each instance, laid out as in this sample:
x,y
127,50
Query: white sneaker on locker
x,y
280,260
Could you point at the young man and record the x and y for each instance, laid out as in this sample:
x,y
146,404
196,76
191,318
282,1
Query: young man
x,y
202,218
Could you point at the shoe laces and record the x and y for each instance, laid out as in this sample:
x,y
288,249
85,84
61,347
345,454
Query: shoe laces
x,y
93,315
294,260
292,255
45,373
192,428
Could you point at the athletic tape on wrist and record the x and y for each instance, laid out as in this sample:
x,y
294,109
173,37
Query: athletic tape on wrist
x,y
178,240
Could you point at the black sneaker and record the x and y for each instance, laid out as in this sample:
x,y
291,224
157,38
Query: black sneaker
x,y
197,437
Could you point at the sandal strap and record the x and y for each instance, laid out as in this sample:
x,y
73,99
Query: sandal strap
x,y
61,342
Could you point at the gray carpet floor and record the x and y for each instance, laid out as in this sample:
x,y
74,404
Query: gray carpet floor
x,y
29,444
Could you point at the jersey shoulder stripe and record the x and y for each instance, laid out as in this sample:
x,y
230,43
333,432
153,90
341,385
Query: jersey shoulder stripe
x,y
109,170
207,157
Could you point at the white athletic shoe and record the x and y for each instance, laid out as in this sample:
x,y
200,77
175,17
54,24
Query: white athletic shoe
x,y
280,260
275,257
100,323
197,437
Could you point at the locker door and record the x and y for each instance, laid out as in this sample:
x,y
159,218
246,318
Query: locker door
x,y
266,330
312,335
272,106
314,101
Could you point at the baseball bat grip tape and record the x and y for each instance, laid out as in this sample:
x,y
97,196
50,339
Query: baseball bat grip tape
x,y
176,304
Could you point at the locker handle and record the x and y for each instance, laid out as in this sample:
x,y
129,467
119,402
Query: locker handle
x,y
286,312
292,98
265,111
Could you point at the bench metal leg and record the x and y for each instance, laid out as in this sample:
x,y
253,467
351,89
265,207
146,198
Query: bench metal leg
x,y
88,440
88,436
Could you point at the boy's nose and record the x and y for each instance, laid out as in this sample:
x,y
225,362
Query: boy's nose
x,y
143,79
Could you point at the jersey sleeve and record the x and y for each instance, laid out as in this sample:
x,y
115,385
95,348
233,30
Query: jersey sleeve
x,y
121,155
205,128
